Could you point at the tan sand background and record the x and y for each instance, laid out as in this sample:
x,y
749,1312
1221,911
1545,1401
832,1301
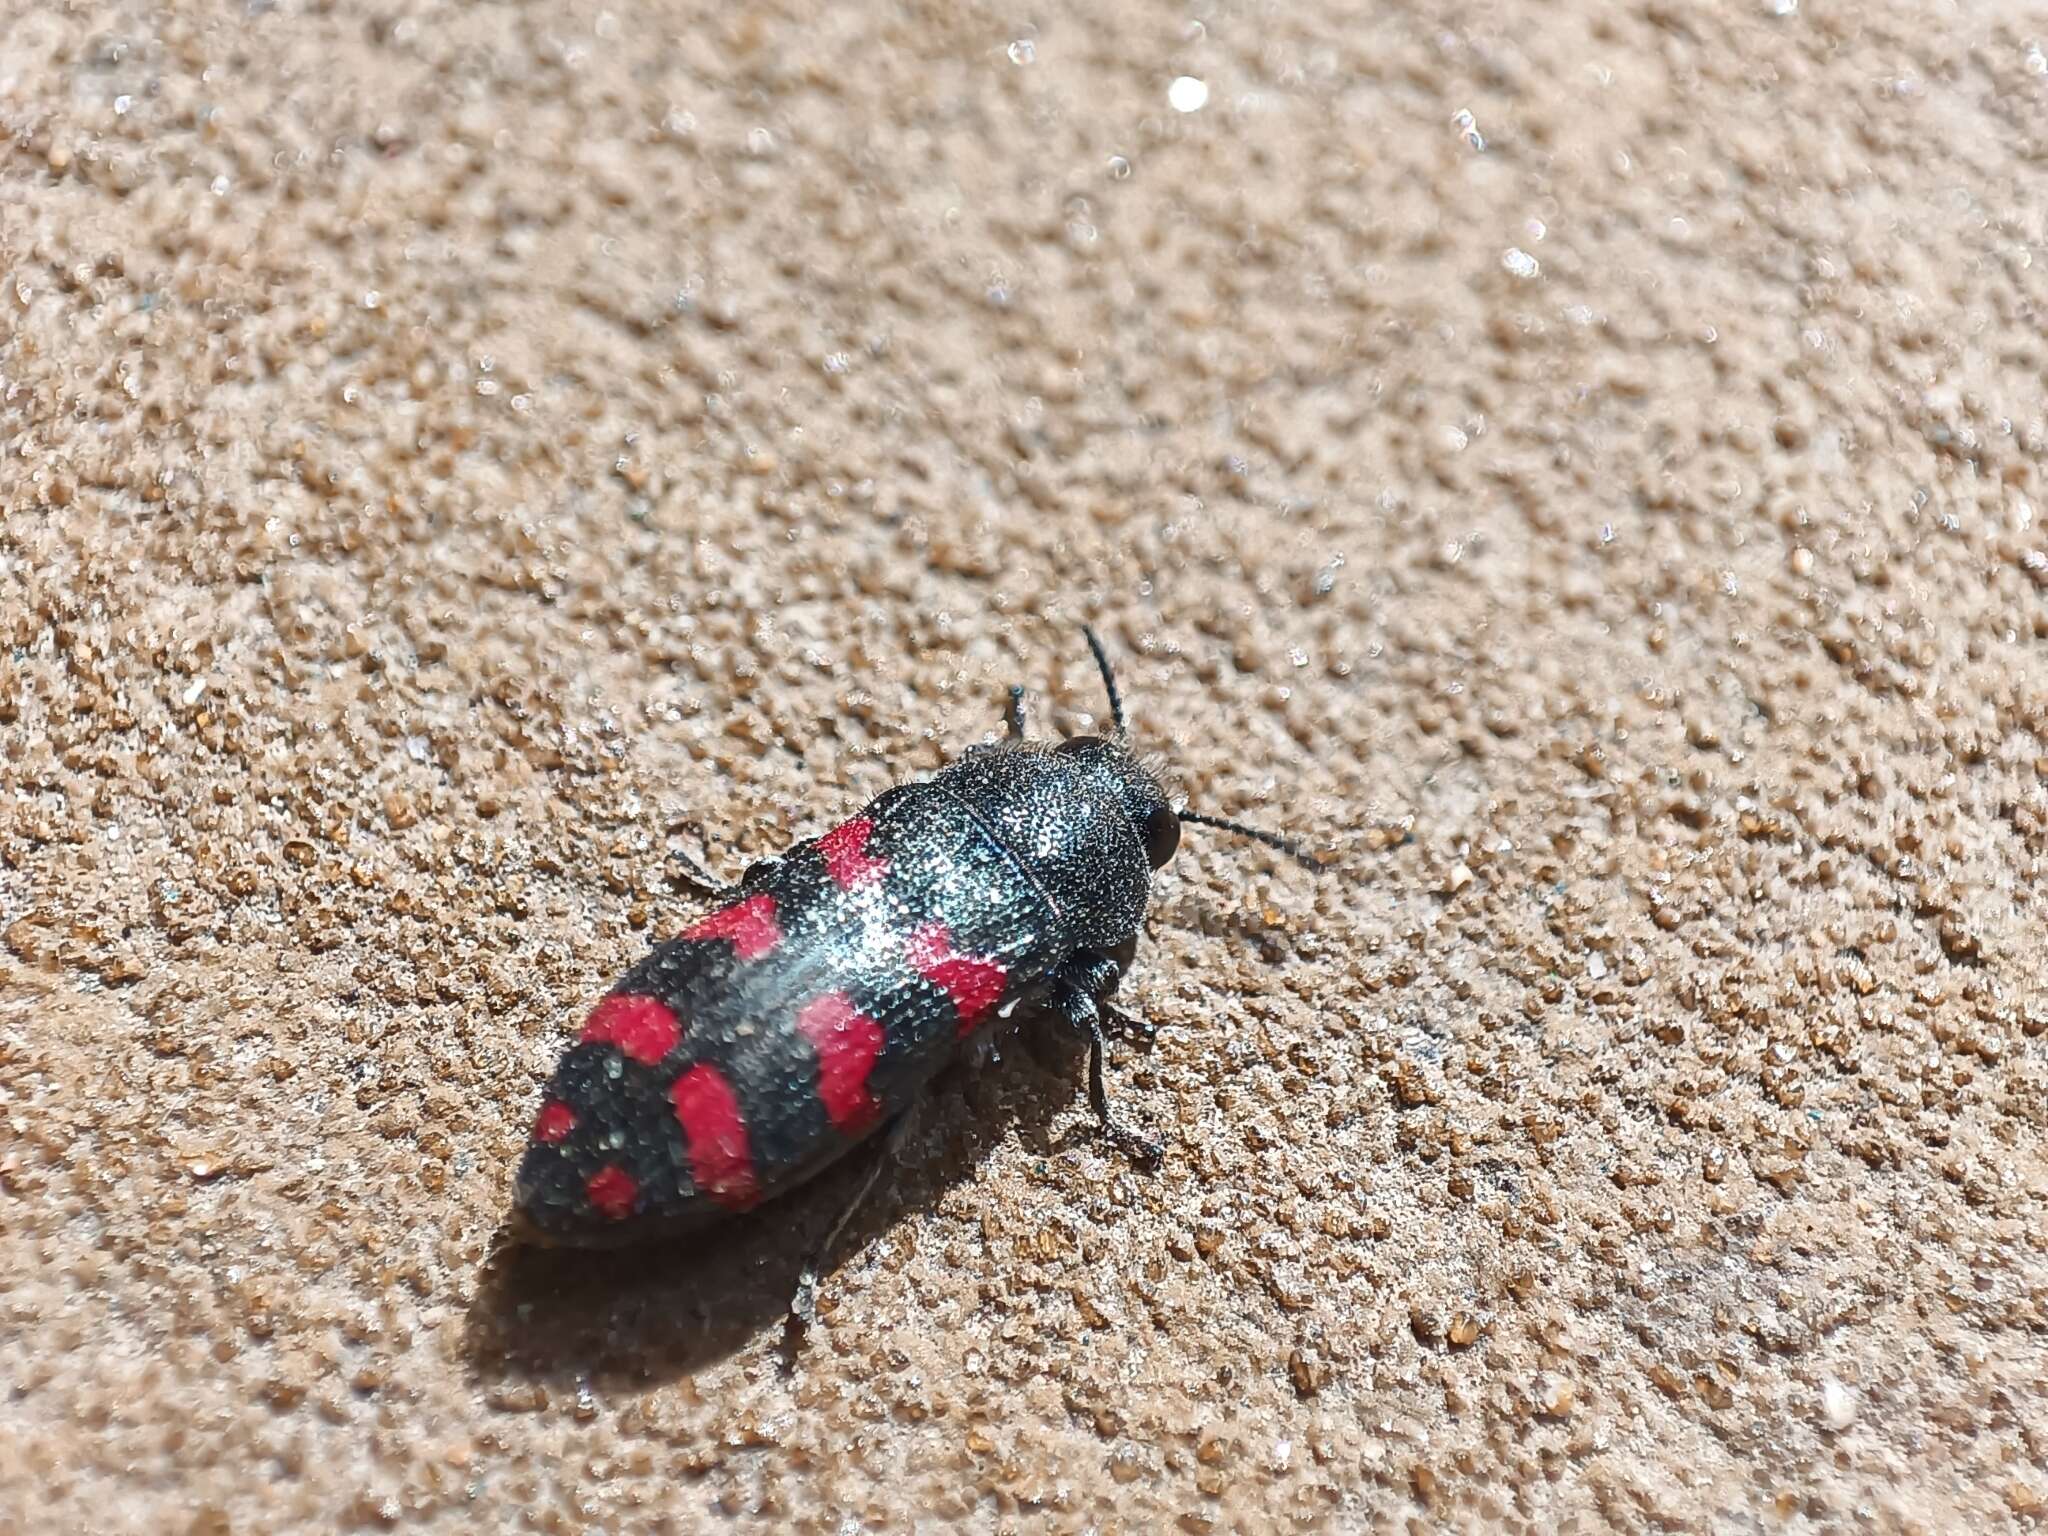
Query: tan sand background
x,y
454,453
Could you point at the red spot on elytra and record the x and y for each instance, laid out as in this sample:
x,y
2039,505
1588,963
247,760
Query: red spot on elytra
x,y
975,983
642,1027
845,851
612,1190
554,1122
847,1042
716,1131
750,924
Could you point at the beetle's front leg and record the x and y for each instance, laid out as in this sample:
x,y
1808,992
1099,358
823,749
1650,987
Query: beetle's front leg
x,y
1073,999
1099,972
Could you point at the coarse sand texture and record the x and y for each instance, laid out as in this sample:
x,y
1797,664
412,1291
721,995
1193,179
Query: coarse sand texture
x,y
1576,465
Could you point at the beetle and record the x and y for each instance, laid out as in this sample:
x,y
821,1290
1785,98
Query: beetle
x,y
819,997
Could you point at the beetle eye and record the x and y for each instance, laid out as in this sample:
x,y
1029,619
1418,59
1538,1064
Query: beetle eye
x,y
1161,833
1075,745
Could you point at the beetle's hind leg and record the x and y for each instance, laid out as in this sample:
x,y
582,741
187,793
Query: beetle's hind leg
x,y
689,872
803,1304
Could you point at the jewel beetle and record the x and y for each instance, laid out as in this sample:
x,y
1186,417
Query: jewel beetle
x,y
827,987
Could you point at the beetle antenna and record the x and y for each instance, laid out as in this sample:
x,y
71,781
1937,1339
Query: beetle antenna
x,y
1297,851
1116,704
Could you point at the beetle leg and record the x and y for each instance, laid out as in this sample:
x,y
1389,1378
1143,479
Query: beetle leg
x,y
689,872
1129,1026
1094,972
1098,973
1013,716
1079,1012
803,1304
698,878
1140,1150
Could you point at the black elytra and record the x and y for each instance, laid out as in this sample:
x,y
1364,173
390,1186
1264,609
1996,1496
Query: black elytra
x,y
768,1038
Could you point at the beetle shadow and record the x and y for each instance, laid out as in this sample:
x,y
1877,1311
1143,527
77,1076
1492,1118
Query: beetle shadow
x,y
628,1318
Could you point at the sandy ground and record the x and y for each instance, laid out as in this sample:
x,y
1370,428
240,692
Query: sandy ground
x,y
453,454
